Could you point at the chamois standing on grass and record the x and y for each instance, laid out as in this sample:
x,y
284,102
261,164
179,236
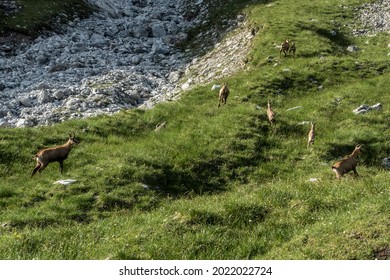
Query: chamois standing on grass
x,y
270,113
347,164
284,48
292,49
58,153
223,94
311,135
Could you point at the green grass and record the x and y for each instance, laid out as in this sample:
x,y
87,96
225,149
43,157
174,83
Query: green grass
x,y
38,15
220,183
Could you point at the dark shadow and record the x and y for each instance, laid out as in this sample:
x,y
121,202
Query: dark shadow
x,y
338,40
203,176
221,14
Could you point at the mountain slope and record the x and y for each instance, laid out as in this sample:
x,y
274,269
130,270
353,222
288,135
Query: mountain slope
x,y
221,183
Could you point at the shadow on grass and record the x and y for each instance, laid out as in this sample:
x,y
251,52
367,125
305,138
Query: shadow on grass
x,y
220,13
338,40
202,176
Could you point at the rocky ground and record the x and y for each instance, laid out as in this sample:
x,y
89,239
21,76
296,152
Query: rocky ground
x,y
373,18
118,58
124,56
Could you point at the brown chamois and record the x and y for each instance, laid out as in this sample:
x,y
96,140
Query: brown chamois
x,y
292,49
311,135
270,113
223,94
59,153
347,164
284,48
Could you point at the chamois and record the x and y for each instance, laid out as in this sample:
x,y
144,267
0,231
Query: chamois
x,y
284,48
223,94
347,164
311,135
58,153
270,113
292,49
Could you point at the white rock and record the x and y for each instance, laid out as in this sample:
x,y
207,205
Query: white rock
x,y
214,87
24,123
362,109
294,108
352,48
65,182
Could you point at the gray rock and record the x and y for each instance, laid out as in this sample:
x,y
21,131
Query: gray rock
x,y
58,68
386,163
136,59
174,77
3,123
25,101
3,113
98,40
158,30
140,31
58,94
72,102
352,48
42,59
362,109
24,123
159,48
43,96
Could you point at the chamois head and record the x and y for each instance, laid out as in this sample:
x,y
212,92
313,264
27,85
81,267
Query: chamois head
x,y
72,139
357,151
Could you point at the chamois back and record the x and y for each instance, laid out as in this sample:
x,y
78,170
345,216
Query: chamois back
x,y
58,153
223,94
311,135
270,113
284,48
347,164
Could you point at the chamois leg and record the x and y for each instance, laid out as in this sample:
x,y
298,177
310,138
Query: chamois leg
x,y
61,166
355,172
36,169
43,166
220,101
338,174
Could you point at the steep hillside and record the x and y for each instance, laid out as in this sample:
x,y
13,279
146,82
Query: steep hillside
x,y
222,183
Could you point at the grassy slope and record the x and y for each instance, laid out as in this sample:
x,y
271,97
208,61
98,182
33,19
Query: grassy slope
x,y
219,183
38,15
